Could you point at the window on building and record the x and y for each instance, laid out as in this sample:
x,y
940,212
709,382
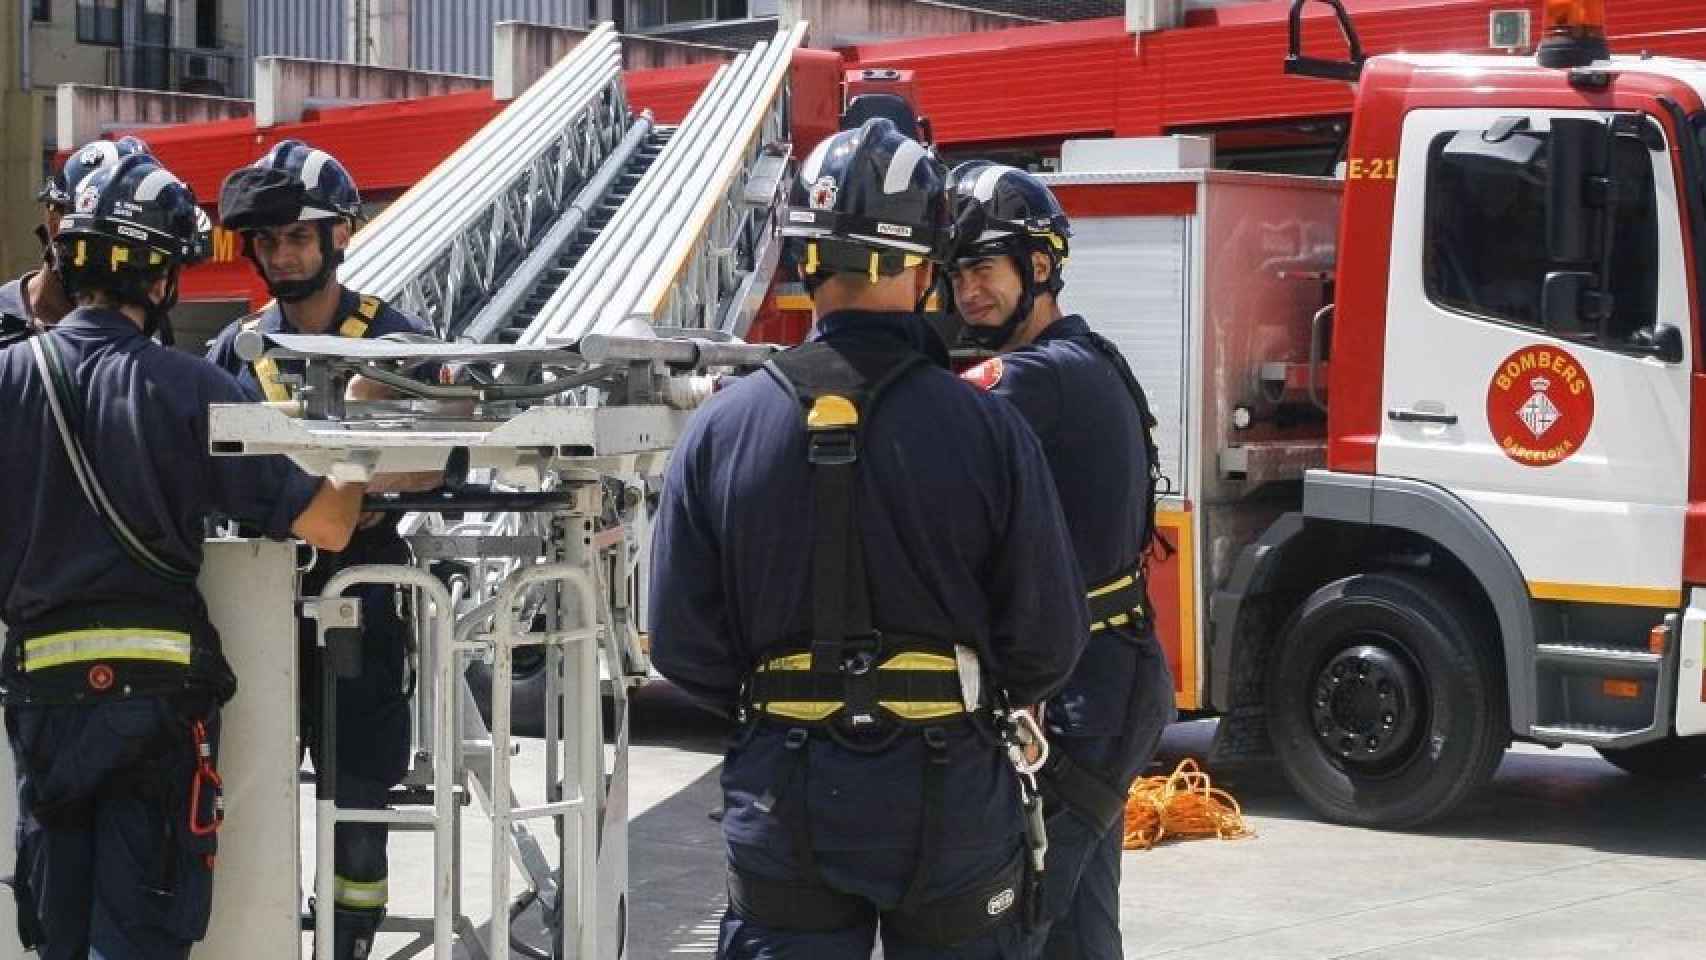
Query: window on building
x,y
1485,251
100,21
41,11
207,24
662,13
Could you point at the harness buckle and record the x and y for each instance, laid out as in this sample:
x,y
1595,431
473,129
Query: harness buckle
x,y
795,739
832,448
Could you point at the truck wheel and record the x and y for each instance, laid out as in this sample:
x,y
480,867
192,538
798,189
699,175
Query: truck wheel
x,y
527,691
1385,704
1674,758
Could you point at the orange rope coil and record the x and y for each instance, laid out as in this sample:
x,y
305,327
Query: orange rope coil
x,y
1183,804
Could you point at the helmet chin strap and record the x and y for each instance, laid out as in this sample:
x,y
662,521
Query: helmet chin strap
x,y
158,315
996,337
296,291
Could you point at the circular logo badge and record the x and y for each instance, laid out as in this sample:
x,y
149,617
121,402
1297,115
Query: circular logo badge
x,y
1540,406
100,677
986,375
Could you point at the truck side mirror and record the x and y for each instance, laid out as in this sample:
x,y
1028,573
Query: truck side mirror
x,y
1579,185
1661,341
1571,304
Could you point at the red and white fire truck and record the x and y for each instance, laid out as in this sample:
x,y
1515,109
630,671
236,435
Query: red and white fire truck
x,y
1437,427
1431,424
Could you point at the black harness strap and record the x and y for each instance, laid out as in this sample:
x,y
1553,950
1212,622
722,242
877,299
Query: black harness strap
x,y
1064,781
1157,480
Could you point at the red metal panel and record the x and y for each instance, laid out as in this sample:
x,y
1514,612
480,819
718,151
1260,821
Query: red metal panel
x,y
1047,82
1127,199
668,92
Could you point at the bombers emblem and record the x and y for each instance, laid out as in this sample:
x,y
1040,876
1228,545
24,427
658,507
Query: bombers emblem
x,y
1540,406
985,375
86,199
823,192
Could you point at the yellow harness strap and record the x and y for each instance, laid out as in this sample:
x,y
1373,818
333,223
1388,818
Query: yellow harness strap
x,y
355,326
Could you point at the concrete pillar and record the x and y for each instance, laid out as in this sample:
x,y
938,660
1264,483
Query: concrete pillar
x,y
20,148
523,52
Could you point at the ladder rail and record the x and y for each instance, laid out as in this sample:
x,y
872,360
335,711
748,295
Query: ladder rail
x,y
526,121
450,239
504,303
715,223
658,186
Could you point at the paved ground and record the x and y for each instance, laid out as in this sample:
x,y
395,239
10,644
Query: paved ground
x,y
1564,857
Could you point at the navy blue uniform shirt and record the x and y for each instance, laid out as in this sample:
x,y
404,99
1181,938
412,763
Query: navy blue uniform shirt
x,y
376,544
1093,437
960,522
223,350
145,428
16,322
1092,433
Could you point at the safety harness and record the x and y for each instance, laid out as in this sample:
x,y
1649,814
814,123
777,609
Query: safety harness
x,y
97,653
859,685
355,326
1120,602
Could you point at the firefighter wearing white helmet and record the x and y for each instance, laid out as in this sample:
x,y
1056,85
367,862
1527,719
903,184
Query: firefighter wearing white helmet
x,y
36,301
860,557
296,209
1093,418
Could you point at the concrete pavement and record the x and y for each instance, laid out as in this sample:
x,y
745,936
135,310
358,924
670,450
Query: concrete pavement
x,y
1563,857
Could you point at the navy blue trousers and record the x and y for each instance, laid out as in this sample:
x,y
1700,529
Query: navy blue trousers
x,y
107,865
1081,888
862,816
373,749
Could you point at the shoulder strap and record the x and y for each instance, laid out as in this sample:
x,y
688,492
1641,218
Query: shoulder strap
x,y
838,392
358,324
265,369
1158,482
65,401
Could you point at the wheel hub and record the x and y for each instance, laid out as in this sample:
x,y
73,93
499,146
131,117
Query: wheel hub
x,y
1366,705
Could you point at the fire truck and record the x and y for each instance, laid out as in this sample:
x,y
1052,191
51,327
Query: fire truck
x,y
1435,425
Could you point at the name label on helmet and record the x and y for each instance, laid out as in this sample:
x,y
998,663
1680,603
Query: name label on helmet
x,y
893,230
130,232
802,216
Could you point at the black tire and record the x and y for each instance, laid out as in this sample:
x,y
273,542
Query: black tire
x,y
1673,759
527,692
1385,702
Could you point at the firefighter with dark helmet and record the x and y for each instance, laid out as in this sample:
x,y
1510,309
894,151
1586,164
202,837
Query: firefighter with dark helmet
x,y
866,563
112,677
296,208
1079,395
35,301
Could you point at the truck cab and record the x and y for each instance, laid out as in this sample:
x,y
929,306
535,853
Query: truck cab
x,y
1507,534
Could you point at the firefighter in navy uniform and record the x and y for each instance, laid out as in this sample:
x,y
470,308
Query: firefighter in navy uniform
x,y
1093,419
112,677
860,557
295,209
35,301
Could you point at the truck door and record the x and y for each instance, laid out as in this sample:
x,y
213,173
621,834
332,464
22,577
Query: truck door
x,y
1559,422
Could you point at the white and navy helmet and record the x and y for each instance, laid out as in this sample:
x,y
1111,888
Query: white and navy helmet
x,y
293,182
1002,211
61,188
131,224
870,201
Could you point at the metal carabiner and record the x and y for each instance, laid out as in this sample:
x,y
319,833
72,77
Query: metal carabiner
x,y
1026,732
205,778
